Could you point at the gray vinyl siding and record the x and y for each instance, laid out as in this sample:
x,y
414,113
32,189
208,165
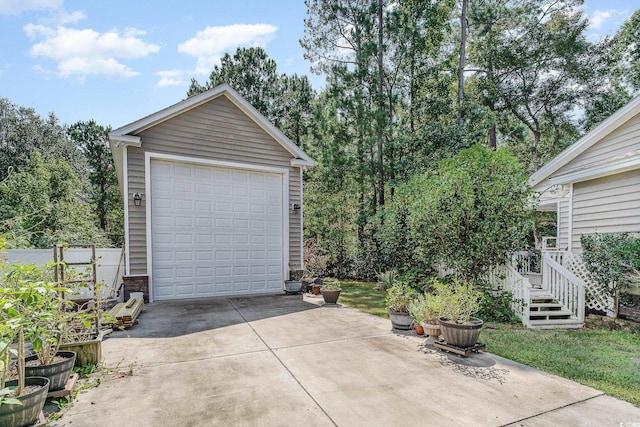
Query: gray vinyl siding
x,y
217,130
607,205
620,142
563,223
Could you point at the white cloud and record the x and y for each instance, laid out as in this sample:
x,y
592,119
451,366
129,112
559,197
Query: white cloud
x,y
210,44
16,7
64,17
600,17
172,78
86,52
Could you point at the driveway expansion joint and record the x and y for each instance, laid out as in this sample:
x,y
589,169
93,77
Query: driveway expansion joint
x,y
553,410
284,366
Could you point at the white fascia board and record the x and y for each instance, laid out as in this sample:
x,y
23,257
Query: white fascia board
x,y
189,103
598,172
120,139
303,163
169,112
607,126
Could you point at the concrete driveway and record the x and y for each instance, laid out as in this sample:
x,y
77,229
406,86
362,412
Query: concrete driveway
x,y
287,360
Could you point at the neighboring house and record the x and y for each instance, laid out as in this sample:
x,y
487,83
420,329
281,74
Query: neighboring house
x,y
212,199
594,185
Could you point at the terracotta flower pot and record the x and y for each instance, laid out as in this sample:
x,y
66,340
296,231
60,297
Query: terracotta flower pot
x,y
419,329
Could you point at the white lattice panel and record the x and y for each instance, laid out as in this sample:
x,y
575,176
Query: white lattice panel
x,y
595,299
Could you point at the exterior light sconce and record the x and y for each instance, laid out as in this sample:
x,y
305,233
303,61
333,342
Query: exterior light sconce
x,y
137,199
295,207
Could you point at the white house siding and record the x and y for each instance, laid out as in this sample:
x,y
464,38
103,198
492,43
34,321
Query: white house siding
x,y
563,223
606,205
620,142
217,130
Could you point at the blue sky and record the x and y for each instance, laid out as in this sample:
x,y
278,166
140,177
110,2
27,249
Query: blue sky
x,y
116,61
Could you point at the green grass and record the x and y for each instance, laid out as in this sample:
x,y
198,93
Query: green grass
x,y
594,356
597,356
363,296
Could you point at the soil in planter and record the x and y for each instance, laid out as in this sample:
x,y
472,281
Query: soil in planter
x,y
25,390
36,362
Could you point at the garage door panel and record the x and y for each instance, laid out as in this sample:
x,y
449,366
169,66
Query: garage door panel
x,y
215,231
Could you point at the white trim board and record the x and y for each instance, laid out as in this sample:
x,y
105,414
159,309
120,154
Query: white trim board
x,y
610,124
125,197
125,133
598,172
149,156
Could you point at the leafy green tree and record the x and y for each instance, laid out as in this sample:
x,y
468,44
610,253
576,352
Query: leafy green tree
x,y
22,131
472,211
104,193
284,100
41,206
534,62
616,65
613,259
251,73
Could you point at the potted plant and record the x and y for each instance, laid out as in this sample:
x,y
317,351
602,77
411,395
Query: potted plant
x,y
459,301
399,296
21,399
330,291
82,333
41,311
426,309
294,284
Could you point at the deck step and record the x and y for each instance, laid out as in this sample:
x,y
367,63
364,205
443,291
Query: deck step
x,y
556,324
551,313
545,305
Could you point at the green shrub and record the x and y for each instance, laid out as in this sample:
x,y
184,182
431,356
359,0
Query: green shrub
x,y
472,212
613,260
399,296
459,299
496,307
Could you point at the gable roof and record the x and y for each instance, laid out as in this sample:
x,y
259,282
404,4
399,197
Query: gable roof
x,y
596,134
128,134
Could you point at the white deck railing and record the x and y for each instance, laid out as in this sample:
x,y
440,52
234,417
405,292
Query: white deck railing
x,y
565,287
526,262
507,278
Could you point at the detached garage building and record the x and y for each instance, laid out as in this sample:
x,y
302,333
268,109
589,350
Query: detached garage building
x,y
212,199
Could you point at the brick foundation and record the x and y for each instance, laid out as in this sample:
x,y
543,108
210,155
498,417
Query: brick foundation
x,y
138,283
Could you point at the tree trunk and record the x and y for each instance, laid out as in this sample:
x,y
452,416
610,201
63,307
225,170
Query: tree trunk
x,y
492,137
463,48
380,118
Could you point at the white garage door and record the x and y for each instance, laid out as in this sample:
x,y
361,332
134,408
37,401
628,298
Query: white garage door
x,y
215,231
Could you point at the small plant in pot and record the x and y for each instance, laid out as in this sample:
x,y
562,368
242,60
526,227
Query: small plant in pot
x,y
294,284
426,309
42,315
459,301
330,291
399,296
21,399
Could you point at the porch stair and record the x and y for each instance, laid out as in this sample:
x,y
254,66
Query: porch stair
x,y
547,313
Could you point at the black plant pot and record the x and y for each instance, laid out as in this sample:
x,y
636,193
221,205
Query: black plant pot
x,y
463,335
400,320
58,373
32,403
